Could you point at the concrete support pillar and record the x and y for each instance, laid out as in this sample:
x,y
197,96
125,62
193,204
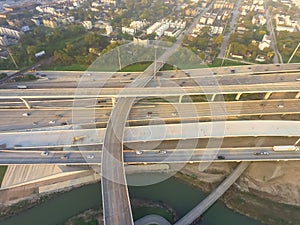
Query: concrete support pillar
x,y
237,97
158,82
213,97
26,103
297,95
180,98
267,95
113,100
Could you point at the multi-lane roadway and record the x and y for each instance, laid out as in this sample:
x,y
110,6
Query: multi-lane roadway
x,y
93,157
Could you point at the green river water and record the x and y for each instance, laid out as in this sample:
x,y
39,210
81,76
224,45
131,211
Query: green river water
x,y
181,196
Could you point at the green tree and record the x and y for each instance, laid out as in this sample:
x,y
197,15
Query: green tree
x,y
218,39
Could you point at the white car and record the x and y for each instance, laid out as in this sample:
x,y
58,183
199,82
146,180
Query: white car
x,y
139,152
52,121
163,152
90,156
25,114
45,153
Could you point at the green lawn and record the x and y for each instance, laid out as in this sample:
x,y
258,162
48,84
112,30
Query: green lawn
x,y
2,172
26,77
218,62
136,67
2,75
74,67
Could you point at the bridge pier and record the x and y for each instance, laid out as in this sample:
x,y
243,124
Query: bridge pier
x,y
213,97
113,101
180,98
26,103
267,95
297,95
238,96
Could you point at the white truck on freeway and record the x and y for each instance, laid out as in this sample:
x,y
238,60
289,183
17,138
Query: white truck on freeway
x,y
285,148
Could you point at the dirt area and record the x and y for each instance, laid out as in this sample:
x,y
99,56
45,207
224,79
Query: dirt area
x,y
267,191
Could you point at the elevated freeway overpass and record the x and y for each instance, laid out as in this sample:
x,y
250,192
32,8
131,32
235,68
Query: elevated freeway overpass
x,y
216,129
64,93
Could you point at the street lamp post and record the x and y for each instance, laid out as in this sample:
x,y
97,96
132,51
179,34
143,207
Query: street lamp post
x,y
155,61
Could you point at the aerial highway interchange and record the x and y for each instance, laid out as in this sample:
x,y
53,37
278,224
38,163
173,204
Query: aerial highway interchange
x,y
48,107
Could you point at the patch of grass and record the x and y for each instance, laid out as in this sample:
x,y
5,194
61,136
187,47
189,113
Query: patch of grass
x,y
141,66
136,67
252,96
2,172
217,63
74,67
156,100
229,97
26,77
2,75
199,98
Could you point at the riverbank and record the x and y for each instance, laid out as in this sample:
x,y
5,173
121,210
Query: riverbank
x,y
140,208
243,197
250,202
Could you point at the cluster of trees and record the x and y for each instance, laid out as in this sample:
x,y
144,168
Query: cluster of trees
x,y
43,39
204,41
246,44
68,45
139,10
78,52
287,43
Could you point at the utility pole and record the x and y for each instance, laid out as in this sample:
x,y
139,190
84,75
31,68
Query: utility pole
x,y
12,58
155,61
296,49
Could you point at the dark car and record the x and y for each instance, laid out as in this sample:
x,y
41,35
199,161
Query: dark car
x,y
221,157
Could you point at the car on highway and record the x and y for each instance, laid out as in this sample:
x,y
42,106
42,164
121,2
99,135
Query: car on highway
x,y
280,105
149,114
66,156
262,153
220,157
45,153
52,121
163,152
90,156
138,152
26,114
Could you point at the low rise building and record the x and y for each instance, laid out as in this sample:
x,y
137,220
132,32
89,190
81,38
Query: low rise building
x,y
128,30
87,24
265,43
